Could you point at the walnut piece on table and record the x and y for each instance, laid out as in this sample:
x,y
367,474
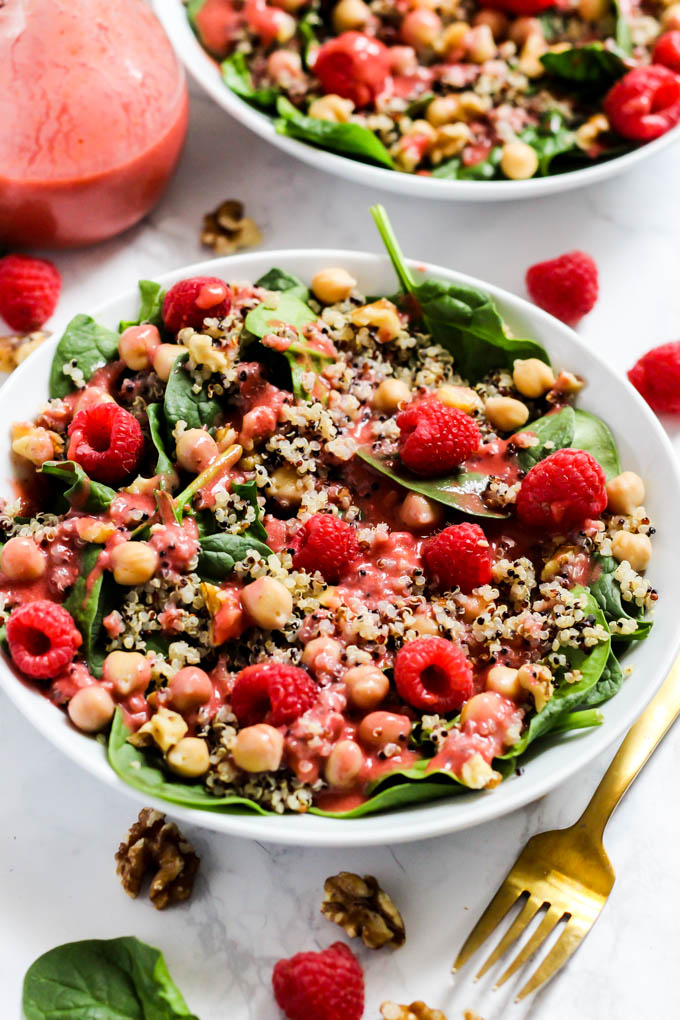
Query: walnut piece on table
x,y
227,229
153,843
416,1011
15,349
362,908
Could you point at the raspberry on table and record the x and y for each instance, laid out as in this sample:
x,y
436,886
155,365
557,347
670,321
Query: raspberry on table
x,y
328,985
459,556
566,286
433,674
107,442
435,438
645,103
327,544
42,638
272,692
656,376
189,302
562,491
29,291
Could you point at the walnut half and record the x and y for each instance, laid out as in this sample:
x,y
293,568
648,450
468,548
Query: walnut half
x,y
361,907
152,842
227,229
416,1011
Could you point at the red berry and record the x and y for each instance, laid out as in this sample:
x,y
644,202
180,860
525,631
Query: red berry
x,y
435,438
189,302
107,442
562,491
645,103
656,375
320,986
566,286
327,544
29,290
667,50
273,692
354,66
523,8
217,24
433,674
459,556
42,638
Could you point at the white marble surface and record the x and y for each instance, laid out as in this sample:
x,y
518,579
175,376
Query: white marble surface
x,y
254,902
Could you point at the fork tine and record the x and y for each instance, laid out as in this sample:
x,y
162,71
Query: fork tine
x,y
527,912
549,921
488,922
568,941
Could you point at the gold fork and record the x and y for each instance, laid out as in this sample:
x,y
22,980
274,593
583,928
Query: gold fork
x,y
567,871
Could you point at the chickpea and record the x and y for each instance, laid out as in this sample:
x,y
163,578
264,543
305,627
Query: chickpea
x,y
90,397
322,655
424,625
532,377
331,107
268,603
670,19
22,559
196,448
593,10
418,513
403,60
382,315
190,688
351,15
344,765
333,285
285,24
462,397
291,6
420,28
190,757
636,549
129,672
36,445
389,394
133,562
505,413
381,728
284,65
443,110
285,486
91,708
164,357
496,20
522,28
258,748
481,708
518,161
367,686
624,493
472,606
480,44
137,345
503,680
453,38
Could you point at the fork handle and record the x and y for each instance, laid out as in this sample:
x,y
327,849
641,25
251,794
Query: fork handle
x,y
638,746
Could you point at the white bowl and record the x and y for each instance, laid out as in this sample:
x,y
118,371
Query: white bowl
x,y
205,70
644,447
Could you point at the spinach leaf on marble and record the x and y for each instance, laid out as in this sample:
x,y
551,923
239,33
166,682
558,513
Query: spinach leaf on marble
x,y
88,346
345,139
181,403
81,492
151,302
236,75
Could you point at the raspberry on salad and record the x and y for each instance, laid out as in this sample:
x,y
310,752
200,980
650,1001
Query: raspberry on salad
x,y
459,556
217,23
29,291
522,8
189,302
272,692
562,491
656,376
566,287
107,442
645,103
42,638
328,985
327,544
433,674
354,66
435,438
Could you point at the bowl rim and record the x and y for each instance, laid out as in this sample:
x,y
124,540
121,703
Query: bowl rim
x,y
471,808
204,70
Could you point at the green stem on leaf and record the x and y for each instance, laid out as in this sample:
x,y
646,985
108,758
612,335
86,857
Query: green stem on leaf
x,y
225,460
578,720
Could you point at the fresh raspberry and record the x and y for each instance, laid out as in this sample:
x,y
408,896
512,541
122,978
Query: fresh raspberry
x,y
562,491
217,23
29,290
645,103
656,375
435,438
566,286
433,674
667,50
42,638
522,8
354,66
327,544
459,556
107,442
272,692
320,986
189,302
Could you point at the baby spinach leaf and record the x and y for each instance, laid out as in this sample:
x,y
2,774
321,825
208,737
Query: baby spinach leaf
x,y
461,491
607,592
579,430
549,139
106,979
485,170
591,434
346,139
589,67
151,302
248,491
236,75
164,465
81,492
608,685
221,551
88,604
182,404
279,279
86,344
463,320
